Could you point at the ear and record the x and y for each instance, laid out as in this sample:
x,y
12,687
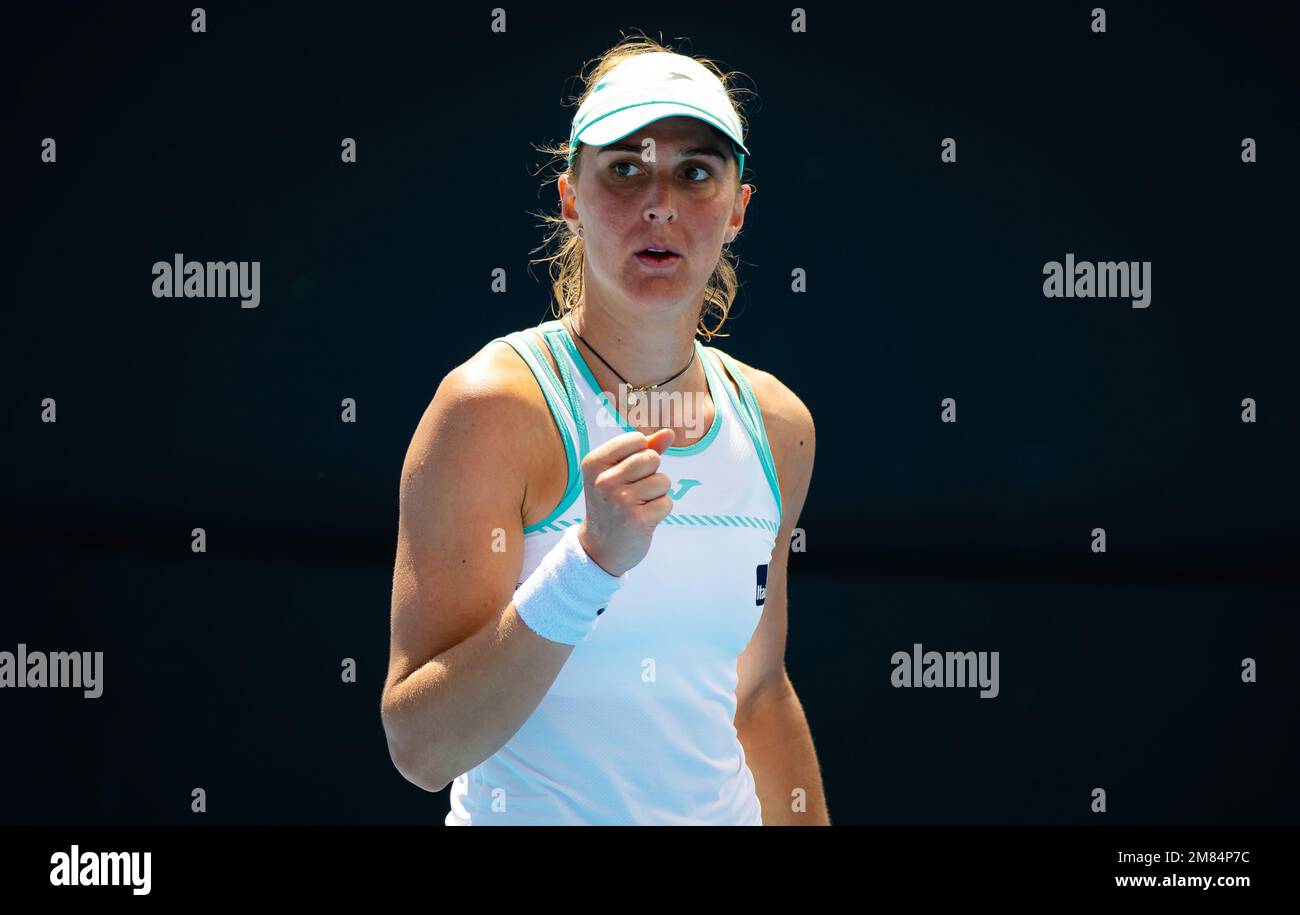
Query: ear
x,y
568,199
737,220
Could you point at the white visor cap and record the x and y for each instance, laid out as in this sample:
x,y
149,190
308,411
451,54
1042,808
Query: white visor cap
x,y
647,87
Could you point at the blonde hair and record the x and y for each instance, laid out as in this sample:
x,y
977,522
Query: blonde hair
x,y
565,262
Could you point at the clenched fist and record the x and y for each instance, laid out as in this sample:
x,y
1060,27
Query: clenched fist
x,y
626,498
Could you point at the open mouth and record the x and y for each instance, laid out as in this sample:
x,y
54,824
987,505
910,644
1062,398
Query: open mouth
x,y
657,256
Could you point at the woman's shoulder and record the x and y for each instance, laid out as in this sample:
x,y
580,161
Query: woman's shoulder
x,y
781,407
492,391
790,434
500,355
495,371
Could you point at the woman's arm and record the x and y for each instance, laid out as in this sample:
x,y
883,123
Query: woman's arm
x,y
770,721
779,751
465,671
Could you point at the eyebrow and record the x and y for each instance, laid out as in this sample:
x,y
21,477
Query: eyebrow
x,y
684,154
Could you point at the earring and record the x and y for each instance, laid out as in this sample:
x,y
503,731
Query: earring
x,y
580,231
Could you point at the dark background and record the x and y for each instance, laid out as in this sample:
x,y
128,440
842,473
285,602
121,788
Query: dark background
x,y
221,670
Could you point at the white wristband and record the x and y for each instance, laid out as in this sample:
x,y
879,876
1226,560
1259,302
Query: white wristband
x,y
562,597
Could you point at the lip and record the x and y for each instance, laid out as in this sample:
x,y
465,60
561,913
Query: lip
x,y
652,264
662,247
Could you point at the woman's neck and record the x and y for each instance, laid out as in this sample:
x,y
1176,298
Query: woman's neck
x,y
643,351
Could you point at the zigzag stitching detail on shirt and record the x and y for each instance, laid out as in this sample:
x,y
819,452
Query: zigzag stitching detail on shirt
x,y
678,519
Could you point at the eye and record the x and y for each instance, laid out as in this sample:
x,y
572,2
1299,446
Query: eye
x,y
704,173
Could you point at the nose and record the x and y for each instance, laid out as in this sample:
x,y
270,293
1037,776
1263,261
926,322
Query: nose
x,y
659,206
660,213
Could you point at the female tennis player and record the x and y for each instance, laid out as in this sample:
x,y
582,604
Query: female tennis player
x,y
589,602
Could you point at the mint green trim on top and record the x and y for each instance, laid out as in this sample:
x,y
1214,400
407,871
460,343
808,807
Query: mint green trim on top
x,y
549,331
556,525
714,383
684,520
540,357
752,417
557,404
561,333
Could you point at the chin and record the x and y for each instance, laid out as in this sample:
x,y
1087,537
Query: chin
x,y
658,296
664,289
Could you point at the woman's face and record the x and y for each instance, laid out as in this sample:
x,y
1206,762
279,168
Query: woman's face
x,y
686,199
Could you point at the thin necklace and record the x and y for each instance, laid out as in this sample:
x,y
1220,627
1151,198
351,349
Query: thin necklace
x,y
632,397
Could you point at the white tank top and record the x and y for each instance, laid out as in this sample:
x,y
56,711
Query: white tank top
x,y
638,727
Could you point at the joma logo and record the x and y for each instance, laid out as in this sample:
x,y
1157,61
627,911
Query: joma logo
x,y
686,486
